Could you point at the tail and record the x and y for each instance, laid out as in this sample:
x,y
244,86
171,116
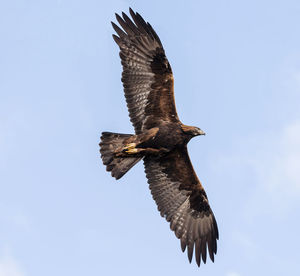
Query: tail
x,y
117,165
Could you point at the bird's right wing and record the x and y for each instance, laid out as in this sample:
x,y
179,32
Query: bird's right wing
x,y
147,75
182,200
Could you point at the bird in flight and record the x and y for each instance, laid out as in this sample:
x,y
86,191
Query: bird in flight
x,y
160,139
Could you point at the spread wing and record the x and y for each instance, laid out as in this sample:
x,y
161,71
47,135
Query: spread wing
x,y
182,200
147,75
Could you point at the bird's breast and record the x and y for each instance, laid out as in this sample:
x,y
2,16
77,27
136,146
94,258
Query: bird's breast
x,y
168,137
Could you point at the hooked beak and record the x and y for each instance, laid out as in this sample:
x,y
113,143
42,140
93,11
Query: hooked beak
x,y
201,132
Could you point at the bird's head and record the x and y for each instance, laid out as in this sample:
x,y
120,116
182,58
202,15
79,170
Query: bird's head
x,y
192,131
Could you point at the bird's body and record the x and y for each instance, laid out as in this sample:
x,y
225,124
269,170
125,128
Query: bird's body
x,y
160,139
168,136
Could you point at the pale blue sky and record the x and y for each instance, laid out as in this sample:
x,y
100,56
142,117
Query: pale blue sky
x,y
237,76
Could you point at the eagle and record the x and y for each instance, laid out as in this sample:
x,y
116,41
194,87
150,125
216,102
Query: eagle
x,y
160,139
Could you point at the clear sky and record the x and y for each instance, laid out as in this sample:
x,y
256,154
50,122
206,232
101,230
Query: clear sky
x,y
237,76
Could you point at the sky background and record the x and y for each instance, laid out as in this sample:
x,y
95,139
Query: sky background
x,y
237,76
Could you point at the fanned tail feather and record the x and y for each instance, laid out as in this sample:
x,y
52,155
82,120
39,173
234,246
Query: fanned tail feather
x,y
118,166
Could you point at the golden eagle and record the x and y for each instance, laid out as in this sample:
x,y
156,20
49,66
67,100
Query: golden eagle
x,y
160,139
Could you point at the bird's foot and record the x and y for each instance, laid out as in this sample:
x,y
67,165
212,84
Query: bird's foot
x,y
130,148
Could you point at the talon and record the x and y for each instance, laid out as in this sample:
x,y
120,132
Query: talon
x,y
130,148
132,151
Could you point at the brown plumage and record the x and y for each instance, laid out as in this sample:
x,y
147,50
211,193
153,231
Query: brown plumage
x,y
160,139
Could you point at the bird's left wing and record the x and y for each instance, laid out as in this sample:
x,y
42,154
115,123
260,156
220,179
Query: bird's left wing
x,y
182,200
147,75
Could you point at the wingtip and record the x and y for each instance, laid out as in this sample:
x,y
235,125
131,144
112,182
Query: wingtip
x,y
182,245
131,10
113,24
116,39
118,17
212,257
190,252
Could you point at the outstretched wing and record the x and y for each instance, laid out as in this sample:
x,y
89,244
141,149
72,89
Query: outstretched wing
x,y
182,200
147,75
